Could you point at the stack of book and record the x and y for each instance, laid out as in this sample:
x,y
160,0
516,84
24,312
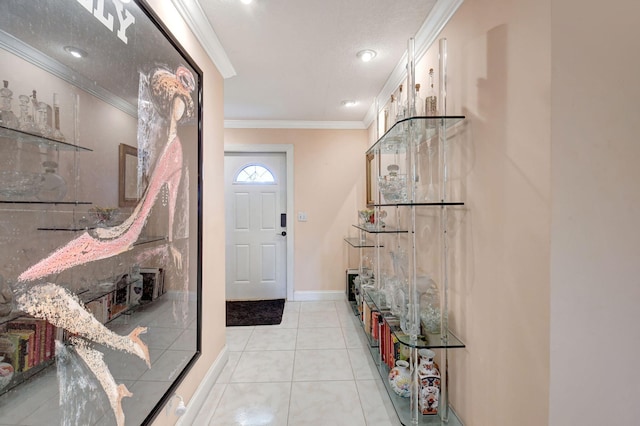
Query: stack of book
x,y
27,342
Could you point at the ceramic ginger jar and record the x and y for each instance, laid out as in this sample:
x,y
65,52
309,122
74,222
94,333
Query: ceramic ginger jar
x,y
400,379
429,382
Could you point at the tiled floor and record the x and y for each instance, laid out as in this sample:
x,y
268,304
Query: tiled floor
x,y
312,369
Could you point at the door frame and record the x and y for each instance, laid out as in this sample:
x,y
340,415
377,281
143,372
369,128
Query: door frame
x,y
287,149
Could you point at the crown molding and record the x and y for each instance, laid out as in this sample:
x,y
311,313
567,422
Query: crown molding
x,y
39,59
441,13
194,16
293,124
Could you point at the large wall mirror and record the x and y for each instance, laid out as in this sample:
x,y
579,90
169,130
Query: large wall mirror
x,y
99,299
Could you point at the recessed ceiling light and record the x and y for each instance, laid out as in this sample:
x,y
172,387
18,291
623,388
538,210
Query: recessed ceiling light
x,y
349,103
76,52
366,55
246,1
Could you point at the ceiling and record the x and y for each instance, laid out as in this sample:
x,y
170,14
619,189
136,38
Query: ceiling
x,y
295,61
286,63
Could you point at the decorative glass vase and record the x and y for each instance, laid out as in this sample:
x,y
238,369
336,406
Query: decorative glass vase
x,y
430,314
393,186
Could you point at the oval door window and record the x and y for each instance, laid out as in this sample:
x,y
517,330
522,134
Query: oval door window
x,y
254,173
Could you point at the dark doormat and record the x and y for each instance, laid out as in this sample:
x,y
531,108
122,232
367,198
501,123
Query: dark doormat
x,y
254,312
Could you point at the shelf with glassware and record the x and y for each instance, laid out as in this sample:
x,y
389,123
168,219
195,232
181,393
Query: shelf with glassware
x,y
411,172
410,309
32,187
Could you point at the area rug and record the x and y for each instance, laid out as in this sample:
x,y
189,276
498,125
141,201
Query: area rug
x,y
254,312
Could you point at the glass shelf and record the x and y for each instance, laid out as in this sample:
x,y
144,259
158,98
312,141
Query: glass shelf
x,y
395,139
149,240
75,203
357,243
424,341
385,230
20,136
66,228
447,203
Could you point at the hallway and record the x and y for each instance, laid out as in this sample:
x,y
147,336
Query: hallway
x,y
312,369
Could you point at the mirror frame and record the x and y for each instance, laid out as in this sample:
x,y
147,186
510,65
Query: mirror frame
x,y
125,174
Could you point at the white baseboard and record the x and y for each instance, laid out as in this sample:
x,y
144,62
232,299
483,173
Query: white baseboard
x,y
306,296
204,388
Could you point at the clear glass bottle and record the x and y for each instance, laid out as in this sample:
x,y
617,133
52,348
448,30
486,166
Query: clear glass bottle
x,y
42,120
26,123
393,111
419,102
54,187
431,101
57,134
400,111
7,117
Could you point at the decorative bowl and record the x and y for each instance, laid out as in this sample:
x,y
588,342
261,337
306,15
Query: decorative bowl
x,y
14,183
393,188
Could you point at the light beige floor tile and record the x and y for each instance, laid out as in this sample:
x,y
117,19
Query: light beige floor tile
x,y
292,306
320,338
229,367
210,405
376,406
334,403
362,364
273,339
323,306
354,338
237,337
322,364
264,366
253,404
318,319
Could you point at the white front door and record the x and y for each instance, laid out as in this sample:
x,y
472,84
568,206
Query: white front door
x,y
256,244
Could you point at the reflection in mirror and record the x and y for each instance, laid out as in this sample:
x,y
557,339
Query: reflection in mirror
x,y
128,176
99,283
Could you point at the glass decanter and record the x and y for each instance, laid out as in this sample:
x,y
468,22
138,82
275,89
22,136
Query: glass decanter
x,y
54,187
7,117
57,134
26,123
42,120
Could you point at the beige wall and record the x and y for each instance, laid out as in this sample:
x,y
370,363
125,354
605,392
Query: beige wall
x,y
329,187
499,77
595,290
213,315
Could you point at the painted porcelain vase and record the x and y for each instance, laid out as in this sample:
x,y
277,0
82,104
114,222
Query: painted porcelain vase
x,y
400,379
429,378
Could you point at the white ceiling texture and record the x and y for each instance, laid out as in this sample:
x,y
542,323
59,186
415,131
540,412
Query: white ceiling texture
x,y
291,63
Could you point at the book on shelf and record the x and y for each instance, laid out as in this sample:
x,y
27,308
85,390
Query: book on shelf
x,y
21,341
36,345
366,316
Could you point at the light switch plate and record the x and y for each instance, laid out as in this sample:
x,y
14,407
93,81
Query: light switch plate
x,y
302,216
